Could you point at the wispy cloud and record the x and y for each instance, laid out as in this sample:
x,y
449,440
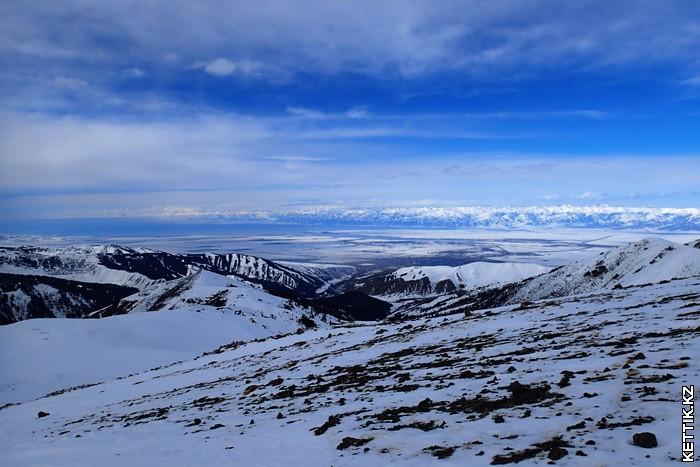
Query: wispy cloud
x,y
330,37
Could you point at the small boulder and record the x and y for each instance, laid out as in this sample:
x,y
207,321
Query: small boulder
x,y
42,414
645,440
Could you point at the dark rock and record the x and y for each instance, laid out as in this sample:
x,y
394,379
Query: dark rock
x,y
577,426
644,439
557,453
42,414
332,421
349,441
441,452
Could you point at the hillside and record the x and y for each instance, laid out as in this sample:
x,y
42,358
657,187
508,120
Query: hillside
x,y
570,380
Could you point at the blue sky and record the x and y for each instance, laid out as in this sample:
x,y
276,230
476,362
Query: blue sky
x,y
185,108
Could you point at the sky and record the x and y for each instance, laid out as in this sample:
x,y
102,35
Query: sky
x,y
170,108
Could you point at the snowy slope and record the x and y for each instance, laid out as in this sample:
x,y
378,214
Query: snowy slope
x,y
472,275
650,260
647,261
573,378
197,313
206,291
430,280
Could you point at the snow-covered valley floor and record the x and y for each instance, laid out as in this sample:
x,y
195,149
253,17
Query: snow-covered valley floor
x,y
575,376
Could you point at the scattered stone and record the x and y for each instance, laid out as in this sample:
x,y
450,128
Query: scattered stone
x,y
42,414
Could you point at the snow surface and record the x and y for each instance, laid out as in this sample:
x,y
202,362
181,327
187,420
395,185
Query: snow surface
x,y
39,356
264,403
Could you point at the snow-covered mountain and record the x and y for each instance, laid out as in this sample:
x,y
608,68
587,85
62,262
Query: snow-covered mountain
x,y
140,267
506,217
96,281
72,263
432,280
571,381
648,261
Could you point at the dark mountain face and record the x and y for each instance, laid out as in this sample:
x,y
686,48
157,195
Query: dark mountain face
x,y
353,305
25,297
152,265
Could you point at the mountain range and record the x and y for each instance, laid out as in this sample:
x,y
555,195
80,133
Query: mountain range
x,y
566,215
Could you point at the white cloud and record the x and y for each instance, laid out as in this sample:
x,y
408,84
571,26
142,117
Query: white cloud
x,y
134,73
220,67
